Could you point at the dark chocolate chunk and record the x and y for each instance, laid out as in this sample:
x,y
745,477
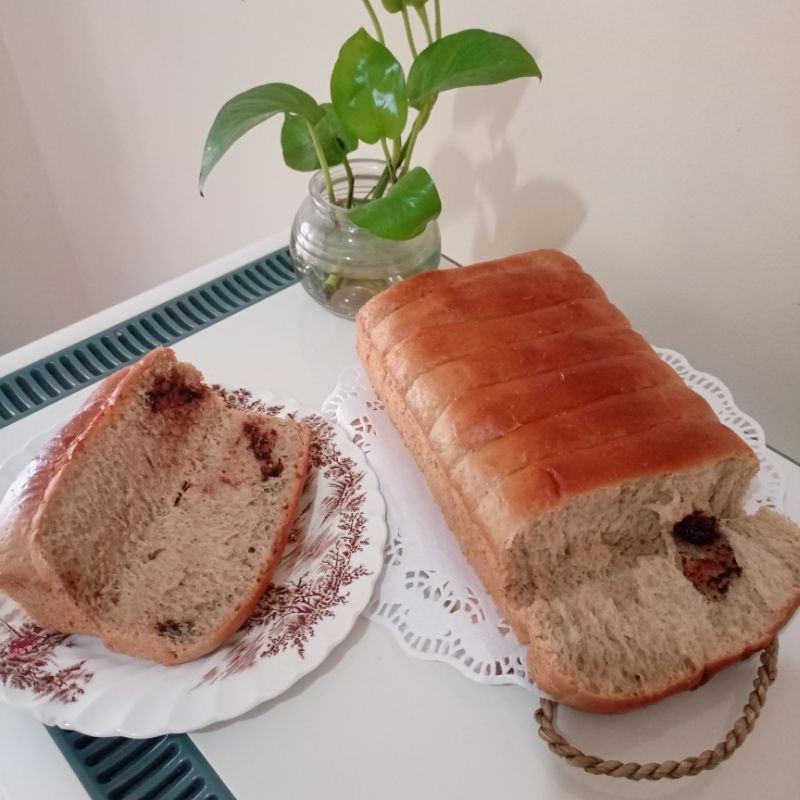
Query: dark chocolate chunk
x,y
262,442
171,392
179,496
707,558
697,528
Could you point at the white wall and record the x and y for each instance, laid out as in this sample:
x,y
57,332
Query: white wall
x,y
40,286
662,149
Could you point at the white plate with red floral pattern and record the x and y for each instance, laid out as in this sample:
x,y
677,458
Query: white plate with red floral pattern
x,y
324,581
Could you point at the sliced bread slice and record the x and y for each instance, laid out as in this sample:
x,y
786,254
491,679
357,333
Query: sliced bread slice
x,y
165,523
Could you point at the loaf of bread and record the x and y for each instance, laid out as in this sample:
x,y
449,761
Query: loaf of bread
x,y
157,516
597,497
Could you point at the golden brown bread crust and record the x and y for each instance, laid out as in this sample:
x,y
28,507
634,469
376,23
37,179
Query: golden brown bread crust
x,y
656,451
449,341
488,294
517,386
593,360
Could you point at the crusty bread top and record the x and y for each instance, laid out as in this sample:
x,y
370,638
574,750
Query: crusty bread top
x,y
523,361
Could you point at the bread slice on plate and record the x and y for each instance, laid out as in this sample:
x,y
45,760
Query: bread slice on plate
x,y
598,498
156,518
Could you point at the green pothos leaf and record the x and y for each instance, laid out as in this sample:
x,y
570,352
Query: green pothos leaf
x,y
298,147
405,211
468,58
248,109
368,89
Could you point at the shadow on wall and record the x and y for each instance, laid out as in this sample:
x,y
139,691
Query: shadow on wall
x,y
542,212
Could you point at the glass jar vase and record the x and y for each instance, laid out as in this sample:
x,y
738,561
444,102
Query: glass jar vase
x,y
341,265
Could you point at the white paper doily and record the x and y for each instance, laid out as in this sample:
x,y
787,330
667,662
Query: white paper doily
x,y
428,594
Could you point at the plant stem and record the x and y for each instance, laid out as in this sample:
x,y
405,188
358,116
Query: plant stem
x,y
397,149
389,164
351,181
380,187
374,17
437,27
423,15
323,162
419,124
407,24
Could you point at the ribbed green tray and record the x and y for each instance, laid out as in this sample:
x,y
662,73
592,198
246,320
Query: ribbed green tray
x,y
162,768
60,374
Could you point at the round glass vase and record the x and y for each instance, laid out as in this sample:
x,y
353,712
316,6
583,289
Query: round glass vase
x,y
341,265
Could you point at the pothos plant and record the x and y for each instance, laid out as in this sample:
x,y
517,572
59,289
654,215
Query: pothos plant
x,y
371,97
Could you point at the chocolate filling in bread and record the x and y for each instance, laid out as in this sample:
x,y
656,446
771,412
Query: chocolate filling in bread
x,y
172,392
707,558
262,443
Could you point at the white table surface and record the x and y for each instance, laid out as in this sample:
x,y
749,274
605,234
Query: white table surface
x,y
372,721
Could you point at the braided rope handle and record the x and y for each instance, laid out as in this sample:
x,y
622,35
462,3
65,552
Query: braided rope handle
x,y
691,765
